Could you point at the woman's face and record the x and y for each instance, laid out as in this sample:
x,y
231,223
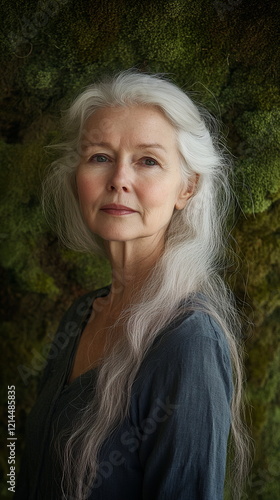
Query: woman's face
x,y
129,180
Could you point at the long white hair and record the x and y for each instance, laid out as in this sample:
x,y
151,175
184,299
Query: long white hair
x,y
191,266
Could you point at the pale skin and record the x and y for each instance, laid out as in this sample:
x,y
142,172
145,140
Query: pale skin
x,y
129,159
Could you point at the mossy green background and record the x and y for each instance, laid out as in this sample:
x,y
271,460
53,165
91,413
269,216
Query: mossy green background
x,y
226,53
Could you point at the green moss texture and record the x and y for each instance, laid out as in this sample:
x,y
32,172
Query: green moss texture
x,y
226,53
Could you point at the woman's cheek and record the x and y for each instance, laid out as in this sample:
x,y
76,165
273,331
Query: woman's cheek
x,y
85,187
157,195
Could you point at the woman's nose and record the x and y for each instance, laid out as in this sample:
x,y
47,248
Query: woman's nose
x,y
120,178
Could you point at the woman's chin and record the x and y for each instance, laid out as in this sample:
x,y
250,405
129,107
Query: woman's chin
x,y
111,236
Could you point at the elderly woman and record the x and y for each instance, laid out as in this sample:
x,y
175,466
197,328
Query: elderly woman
x,y
144,378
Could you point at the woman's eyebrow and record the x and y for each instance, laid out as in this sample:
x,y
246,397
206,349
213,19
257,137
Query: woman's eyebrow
x,y
152,145
89,144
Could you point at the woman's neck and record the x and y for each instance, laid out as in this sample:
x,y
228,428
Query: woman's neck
x,y
131,266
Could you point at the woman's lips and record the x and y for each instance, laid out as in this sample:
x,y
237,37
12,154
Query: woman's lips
x,y
114,209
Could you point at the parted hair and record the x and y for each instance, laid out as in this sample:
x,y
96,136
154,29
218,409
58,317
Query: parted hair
x,y
189,273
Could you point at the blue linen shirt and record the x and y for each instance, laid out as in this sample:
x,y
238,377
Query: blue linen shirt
x,y
173,443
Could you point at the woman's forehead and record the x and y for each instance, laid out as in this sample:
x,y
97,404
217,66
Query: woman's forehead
x,y
144,124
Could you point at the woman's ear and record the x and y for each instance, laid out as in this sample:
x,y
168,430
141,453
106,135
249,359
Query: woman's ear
x,y
186,192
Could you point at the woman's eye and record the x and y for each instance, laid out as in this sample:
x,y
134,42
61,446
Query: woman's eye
x,y
150,162
98,158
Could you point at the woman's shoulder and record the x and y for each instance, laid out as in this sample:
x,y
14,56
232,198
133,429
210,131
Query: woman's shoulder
x,y
191,356
193,328
194,343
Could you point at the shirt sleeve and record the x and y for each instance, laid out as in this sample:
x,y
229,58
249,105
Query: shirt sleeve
x,y
184,417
